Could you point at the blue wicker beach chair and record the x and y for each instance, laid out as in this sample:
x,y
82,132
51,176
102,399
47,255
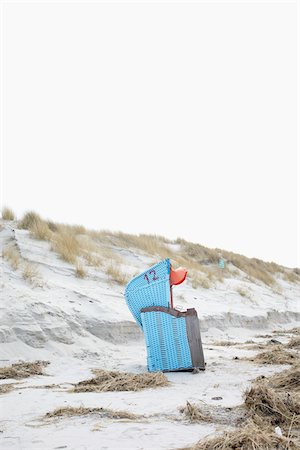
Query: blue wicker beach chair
x,y
172,337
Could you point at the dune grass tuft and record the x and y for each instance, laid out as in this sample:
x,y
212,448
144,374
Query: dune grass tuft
x,y
28,220
79,270
12,256
92,259
30,273
114,271
120,381
66,245
39,229
200,280
23,369
291,276
7,213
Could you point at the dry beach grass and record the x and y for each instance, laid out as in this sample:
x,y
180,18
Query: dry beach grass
x,y
266,408
194,414
288,380
120,381
294,342
275,355
70,411
30,273
12,256
95,247
267,405
23,370
249,437
5,388
8,214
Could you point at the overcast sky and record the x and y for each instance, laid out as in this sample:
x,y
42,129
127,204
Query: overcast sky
x,y
174,118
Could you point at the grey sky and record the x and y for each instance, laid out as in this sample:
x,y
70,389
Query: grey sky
x,y
175,118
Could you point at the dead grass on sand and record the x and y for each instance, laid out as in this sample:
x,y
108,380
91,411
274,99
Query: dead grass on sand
x,y
266,405
5,388
269,402
225,343
249,437
194,414
70,411
105,381
23,370
288,380
275,355
294,342
295,330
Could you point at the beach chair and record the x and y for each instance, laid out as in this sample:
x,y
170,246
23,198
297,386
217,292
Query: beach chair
x,y
172,337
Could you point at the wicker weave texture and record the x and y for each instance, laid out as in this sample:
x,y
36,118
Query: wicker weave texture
x,y
151,288
166,341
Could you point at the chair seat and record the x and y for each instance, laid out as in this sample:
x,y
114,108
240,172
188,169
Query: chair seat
x,y
172,339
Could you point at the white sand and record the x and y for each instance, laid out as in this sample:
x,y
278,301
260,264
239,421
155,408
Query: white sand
x,y
81,324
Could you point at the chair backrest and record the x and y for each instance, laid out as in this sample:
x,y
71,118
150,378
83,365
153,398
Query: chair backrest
x,y
150,288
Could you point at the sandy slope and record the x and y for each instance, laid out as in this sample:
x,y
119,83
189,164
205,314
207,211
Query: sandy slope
x,y
80,324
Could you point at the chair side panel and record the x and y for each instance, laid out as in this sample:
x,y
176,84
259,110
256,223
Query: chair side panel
x,y
195,343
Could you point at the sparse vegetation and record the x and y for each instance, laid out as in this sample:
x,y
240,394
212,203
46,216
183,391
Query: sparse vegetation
x,y
30,273
79,271
254,268
295,330
269,402
113,270
121,381
92,260
95,247
194,414
12,256
40,230
66,245
294,342
8,214
288,380
70,411
243,292
225,343
276,408
199,280
150,244
28,220
276,355
248,437
23,370
5,388
291,276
